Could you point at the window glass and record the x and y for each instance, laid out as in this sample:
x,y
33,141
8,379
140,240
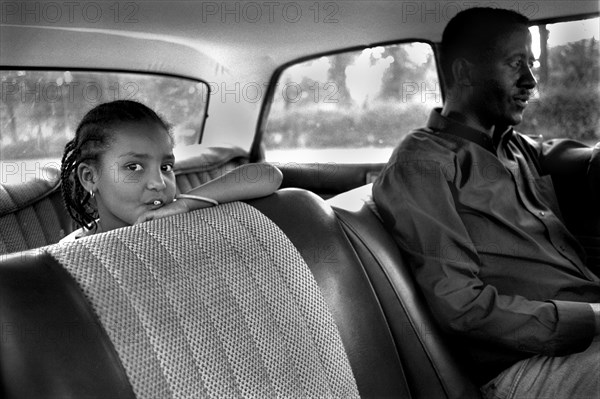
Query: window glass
x,y
567,102
353,106
40,110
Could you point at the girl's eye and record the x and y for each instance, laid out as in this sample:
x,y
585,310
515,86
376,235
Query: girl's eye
x,y
134,167
167,168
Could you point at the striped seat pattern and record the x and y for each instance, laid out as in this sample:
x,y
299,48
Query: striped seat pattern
x,y
212,303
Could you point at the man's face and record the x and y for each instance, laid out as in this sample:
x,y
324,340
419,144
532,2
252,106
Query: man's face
x,y
503,82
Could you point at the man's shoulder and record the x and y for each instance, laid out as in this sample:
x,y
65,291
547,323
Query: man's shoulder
x,y
426,144
421,154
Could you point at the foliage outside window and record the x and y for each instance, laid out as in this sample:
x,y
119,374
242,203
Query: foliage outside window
x,y
568,75
356,106
40,110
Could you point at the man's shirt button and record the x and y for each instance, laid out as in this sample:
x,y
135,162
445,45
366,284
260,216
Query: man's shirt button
x,y
542,213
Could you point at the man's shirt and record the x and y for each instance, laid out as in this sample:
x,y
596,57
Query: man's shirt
x,y
480,222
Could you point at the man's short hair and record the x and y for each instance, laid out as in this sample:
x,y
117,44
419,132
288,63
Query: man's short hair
x,y
474,32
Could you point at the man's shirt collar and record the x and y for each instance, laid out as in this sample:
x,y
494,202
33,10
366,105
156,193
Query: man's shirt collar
x,y
439,123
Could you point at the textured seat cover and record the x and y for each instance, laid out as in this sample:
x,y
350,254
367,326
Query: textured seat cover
x,y
31,213
227,308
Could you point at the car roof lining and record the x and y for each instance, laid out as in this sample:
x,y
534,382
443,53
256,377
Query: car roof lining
x,y
194,45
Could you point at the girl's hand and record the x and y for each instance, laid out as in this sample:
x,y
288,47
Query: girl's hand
x,y
174,208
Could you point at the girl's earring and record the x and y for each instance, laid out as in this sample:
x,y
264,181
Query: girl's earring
x,y
92,194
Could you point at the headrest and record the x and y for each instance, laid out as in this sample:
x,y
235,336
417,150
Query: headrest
x,y
216,303
29,188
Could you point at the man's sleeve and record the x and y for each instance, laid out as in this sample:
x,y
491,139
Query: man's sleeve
x,y
569,158
415,198
575,171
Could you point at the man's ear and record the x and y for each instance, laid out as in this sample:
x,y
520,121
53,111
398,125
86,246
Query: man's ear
x,y
88,176
462,69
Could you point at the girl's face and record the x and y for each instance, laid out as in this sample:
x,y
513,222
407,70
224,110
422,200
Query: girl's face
x,y
133,174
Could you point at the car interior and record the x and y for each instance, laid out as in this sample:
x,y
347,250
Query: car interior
x,y
303,293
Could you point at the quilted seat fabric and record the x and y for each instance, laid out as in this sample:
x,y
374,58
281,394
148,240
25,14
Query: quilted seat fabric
x,y
212,303
32,214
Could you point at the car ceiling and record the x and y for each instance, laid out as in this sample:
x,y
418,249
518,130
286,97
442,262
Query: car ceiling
x,y
191,38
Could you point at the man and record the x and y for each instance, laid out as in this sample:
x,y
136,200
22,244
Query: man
x,y
471,202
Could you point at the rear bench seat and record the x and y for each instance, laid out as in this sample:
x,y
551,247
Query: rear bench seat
x,y
216,302
429,359
429,364
271,298
32,212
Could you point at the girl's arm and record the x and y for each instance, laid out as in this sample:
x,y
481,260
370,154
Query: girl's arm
x,y
244,182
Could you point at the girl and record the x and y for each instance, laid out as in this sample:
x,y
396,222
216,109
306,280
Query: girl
x,y
118,171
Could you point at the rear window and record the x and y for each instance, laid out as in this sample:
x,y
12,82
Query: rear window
x,y
351,107
40,110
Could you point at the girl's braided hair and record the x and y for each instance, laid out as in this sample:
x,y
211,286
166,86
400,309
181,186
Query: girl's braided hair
x,y
92,137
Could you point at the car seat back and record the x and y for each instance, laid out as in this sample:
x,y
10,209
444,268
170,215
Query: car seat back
x,y
431,368
216,302
32,213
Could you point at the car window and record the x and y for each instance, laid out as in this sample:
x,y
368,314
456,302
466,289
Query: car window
x,y
567,101
40,110
353,106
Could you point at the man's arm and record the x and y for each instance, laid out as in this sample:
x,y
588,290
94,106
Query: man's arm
x,y
415,199
569,158
575,171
